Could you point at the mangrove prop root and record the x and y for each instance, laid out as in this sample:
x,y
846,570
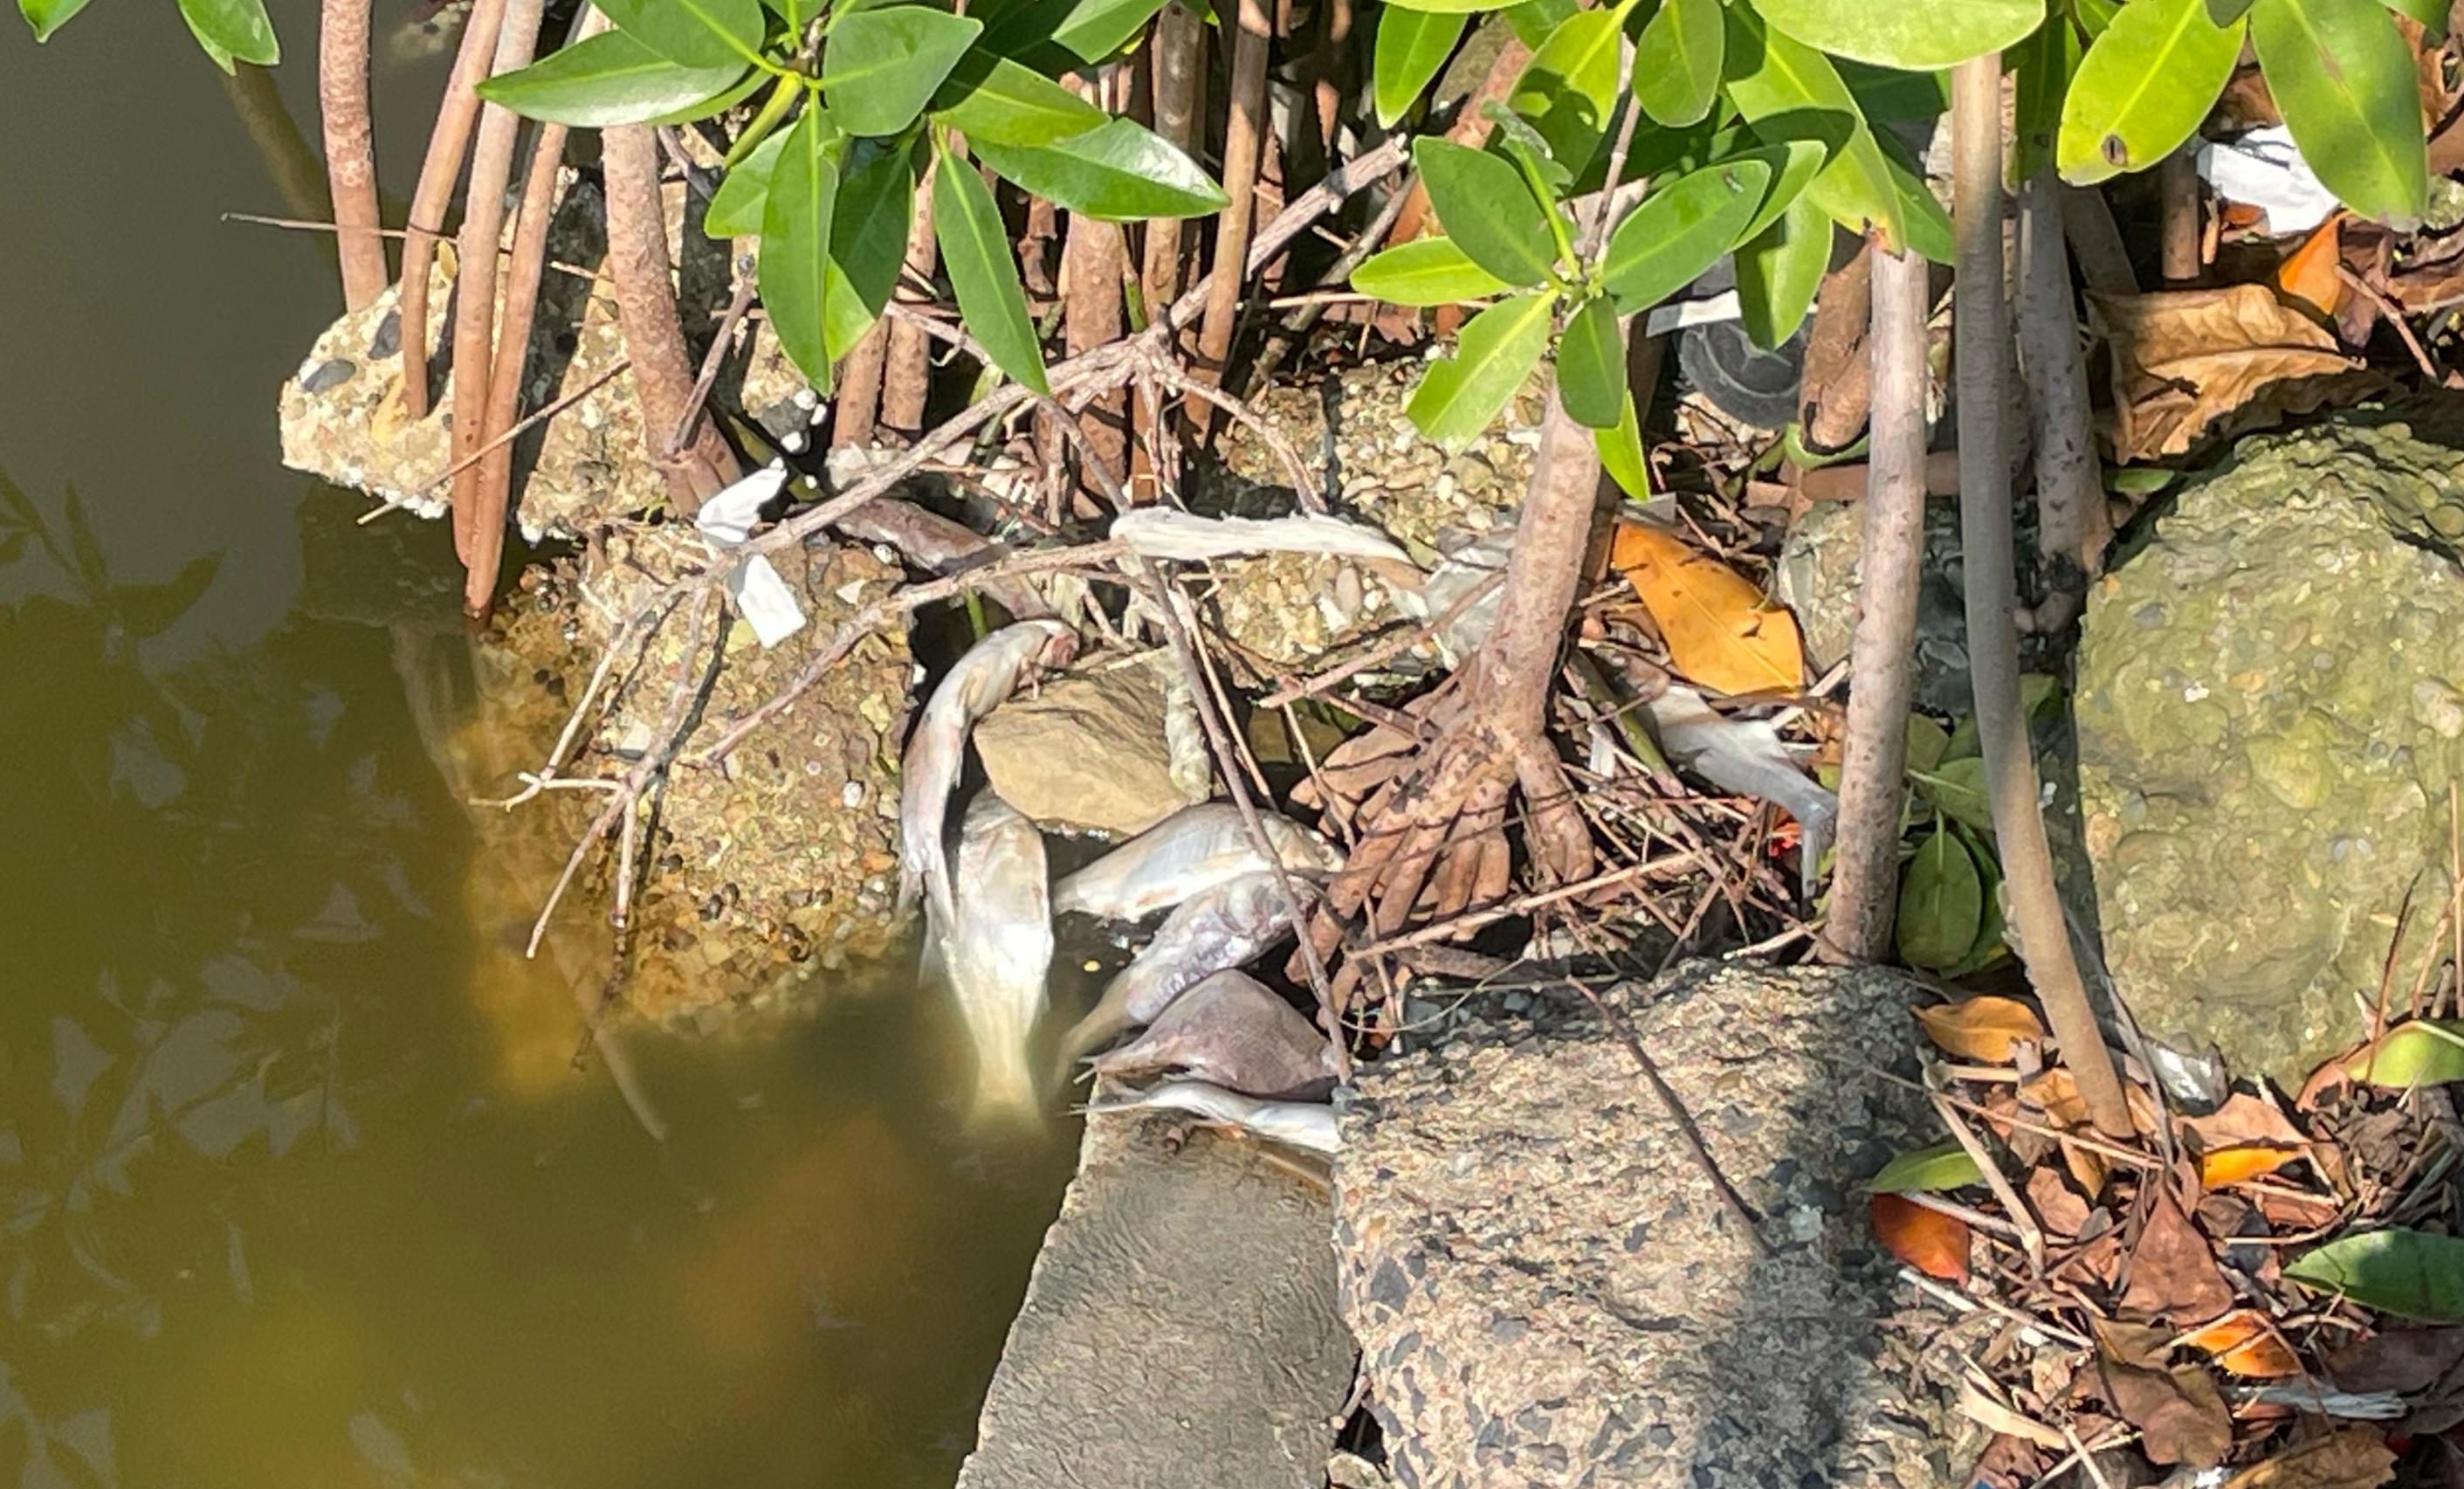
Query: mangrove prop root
x,y
906,369
448,144
1981,341
350,146
1838,372
1243,133
1865,877
524,272
646,312
2072,523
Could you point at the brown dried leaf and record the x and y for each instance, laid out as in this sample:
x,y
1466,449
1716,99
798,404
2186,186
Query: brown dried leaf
x,y
2192,363
2180,1416
1928,1240
2058,1208
2174,1272
2006,1462
2244,1119
2406,1361
1981,1028
2357,1457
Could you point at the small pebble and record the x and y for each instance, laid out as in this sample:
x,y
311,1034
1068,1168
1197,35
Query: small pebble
x,y
328,376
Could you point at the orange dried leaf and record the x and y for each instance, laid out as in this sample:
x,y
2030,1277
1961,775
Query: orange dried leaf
x,y
2233,1164
1721,632
2247,1344
2308,274
1981,1028
1928,1240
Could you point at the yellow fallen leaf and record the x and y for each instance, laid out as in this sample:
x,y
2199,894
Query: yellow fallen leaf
x,y
2232,1164
1980,1029
1721,633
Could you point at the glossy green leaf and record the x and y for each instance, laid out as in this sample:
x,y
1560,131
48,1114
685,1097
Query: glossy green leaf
x,y
1915,33
1591,365
1941,904
47,16
1928,1170
1487,209
691,32
1412,46
1927,743
2224,12
2344,81
2142,87
236,30
1676,60
2042,71
1528,148
1679,231
1991,946
879,68
1120,171
868,244
1956,788
1794,164
992,97
1425,272
2095,16
1770,76
743,193
1621,454
1884,93
1451,6
974,249
794,245
1534,20
797,13
1779,271
1569,86
1925,223
2424,1051
713,104
2409,1273
1091,31
2430,15
609,78
1460,397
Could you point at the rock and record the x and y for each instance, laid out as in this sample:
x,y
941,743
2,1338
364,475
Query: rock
x,y
1817,581
342,418
1113,748
2270,700
1545,1288
1179,1329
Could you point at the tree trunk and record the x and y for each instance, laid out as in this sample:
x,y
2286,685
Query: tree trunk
x,y
447,145
350,147
646,311
1981,342
1865,873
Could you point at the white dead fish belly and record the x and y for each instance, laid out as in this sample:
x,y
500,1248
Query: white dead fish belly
x,y
1227,926
997,951
936,752
1187,853
1300,1124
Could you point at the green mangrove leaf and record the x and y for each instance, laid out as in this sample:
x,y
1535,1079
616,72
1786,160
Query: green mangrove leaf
x,y
1591,365
1927,741
992,97
1884,93
1534,20
47,16
879,68
1926,1170
1451,6
1924,221
868,245
693,32
1794,164
975,248
1990,947
795,243
1780,269
2422,1052
233,31
2430,15
1941,904
1621,451
2410,1273
1120,171
1677,62
1091,31
1487,209
1679,231
718,103
2043,67
1425,272
1460,397
1568,87
605,80
2344,80
2141,88
1928,34
1956,788
738,204
1412,47
1770,76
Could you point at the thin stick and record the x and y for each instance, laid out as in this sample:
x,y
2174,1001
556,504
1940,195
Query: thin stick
x,y
1982,344
2031,1237
526,423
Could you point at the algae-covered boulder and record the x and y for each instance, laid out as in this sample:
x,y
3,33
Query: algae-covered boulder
x,y
2270,712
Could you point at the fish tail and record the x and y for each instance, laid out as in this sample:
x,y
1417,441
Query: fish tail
x,y
1102,1025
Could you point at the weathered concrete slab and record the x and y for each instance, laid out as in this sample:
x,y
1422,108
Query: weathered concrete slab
x,y
1179,1331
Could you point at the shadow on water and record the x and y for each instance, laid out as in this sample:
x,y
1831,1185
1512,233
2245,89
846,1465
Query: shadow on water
x,y
275,1208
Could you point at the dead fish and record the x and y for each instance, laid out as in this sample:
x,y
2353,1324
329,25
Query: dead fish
x,y
1186,854
1225,926
1746,755
938,750
1302,1124
997,954
1231,1031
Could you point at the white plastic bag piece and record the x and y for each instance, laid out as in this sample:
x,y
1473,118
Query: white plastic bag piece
x,y
2265,170
761,597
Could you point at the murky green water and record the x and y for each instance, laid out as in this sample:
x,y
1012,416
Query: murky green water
x,y
288,1194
